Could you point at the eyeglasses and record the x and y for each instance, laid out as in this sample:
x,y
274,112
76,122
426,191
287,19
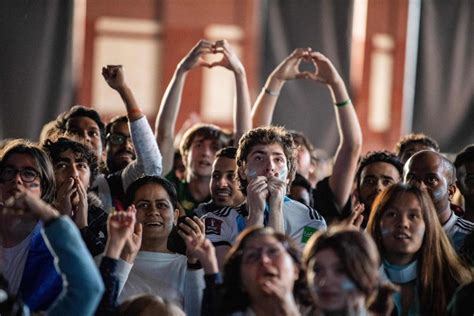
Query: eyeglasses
x,y
253,255
117,139
27,175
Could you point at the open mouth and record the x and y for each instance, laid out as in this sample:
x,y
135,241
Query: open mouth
x,y
204,164
401,236
153,224
223,193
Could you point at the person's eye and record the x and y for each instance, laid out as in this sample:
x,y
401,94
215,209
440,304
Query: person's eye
x,y
387,182
82,165
161,205
390,214
273,251
432,180
142,205
369,181
29,173
215,176
94,134
258,158
230,177
61,165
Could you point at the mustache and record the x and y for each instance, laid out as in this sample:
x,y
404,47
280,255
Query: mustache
x,y
125,151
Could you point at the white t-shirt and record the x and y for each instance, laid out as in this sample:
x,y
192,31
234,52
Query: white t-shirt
x,y
166,275
300,222
13,263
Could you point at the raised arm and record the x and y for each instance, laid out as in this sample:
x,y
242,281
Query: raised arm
x,y
242,120
350,134
264,106
171,102
149,160
114,76
82,286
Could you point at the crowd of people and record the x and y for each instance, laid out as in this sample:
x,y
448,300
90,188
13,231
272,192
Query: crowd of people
x,y
121,219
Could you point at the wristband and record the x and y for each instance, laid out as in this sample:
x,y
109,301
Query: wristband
x,y
194,266
343,103
270,92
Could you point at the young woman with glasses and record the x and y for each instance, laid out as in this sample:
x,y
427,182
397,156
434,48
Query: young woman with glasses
x,y
263,275
26,261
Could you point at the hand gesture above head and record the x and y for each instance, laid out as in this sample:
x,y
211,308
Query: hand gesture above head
x,y
325,70
194,58
288,69
114,76
230,59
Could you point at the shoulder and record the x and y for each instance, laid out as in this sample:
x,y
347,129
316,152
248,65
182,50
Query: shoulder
x,y
299,209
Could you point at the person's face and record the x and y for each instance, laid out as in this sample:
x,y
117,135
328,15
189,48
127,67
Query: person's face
x,y
71,165
266,262
466,182
154,211
374,178
119,149
412,149
20,173
330,286
426,171
201,155
267,161
303,158
402,228
224,187
88,131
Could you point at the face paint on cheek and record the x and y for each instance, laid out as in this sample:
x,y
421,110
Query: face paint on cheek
x,y
251,173
348,286
283,174
386,231
436,195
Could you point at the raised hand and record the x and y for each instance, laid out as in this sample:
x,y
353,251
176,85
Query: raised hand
x,y
133,241
193,234
195,58
114,76
205,252
276,190
80,204
26,204
288,69
229,59
325,70
120,227
257,193
64,194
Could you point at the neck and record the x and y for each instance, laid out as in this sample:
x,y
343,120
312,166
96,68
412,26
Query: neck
x,y
199,187
155,245
399,259
444,213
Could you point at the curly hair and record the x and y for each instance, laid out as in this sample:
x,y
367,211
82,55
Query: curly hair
x,y
80,111
266,136
465,155
54,148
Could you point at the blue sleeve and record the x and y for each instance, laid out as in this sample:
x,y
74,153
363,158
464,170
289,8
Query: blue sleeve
x,y
82,284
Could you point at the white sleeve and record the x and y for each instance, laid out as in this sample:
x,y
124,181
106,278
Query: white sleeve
x,y
149,160
193,290
220,230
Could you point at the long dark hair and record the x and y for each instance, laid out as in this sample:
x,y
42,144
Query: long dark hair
x,y
440,271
